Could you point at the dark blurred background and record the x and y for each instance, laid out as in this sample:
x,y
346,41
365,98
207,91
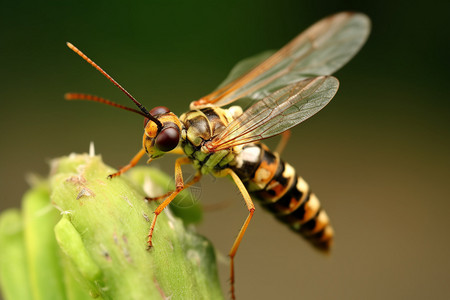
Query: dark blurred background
x,y
377,156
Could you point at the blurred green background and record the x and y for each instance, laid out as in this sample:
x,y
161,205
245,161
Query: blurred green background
x,y
377,156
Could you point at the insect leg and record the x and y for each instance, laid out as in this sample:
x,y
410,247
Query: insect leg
x,y
251,209
131,164
285,135
186,185
179,184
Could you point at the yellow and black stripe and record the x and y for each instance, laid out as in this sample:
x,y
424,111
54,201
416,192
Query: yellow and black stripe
x,y
284,193
265,175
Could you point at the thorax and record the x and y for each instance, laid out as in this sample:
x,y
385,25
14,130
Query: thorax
x,y
201,126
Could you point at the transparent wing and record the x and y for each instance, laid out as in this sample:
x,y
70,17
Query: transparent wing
x,y
278,112
320,50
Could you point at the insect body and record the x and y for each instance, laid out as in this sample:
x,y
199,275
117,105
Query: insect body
x,y
288,87
264,174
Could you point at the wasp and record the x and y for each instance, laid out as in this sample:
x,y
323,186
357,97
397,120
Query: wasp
x,y
284,88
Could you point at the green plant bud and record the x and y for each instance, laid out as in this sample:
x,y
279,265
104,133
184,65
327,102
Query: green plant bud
x,y
85,236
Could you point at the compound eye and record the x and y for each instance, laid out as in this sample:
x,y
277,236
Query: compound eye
x,y
159,110
167,139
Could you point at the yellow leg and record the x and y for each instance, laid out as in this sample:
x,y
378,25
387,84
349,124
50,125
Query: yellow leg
x,y
131,164
187,185
285,135
251,209
179,184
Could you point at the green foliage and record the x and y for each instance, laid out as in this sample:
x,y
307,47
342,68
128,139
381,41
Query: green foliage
x,y
81,235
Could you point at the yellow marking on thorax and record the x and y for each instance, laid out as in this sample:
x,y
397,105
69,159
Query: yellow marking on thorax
x,y
223,114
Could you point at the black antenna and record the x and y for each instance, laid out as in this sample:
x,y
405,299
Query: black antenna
x,y
139,105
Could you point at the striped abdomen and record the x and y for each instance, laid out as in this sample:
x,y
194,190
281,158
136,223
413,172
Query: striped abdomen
x,y
282,192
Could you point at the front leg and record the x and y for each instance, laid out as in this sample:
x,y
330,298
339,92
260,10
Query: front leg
x,y
179,186
193,181
131,164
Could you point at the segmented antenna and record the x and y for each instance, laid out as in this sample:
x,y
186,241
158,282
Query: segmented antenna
x,y
87,97
139,105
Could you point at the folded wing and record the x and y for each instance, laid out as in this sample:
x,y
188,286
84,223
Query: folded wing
x,y
278,112
320,50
